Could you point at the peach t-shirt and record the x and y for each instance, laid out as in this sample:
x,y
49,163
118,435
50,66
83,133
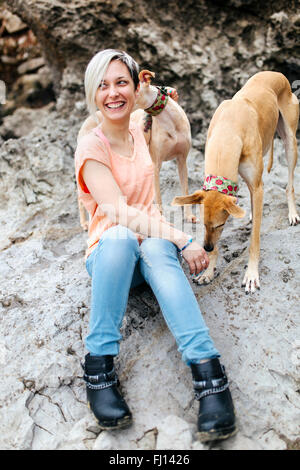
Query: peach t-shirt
x,y
134,177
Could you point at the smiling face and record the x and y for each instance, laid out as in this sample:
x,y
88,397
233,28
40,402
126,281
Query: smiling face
x,y
116,96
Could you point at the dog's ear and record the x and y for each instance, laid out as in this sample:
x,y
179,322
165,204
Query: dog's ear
x,y
233,209
145,76
195,198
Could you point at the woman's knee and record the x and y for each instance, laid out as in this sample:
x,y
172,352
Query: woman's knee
x,y
157,249
118,246
119,232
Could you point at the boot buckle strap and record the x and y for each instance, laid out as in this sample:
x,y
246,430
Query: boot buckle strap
x,y
209,387
101,381
102,385
211,383
210,391
102,376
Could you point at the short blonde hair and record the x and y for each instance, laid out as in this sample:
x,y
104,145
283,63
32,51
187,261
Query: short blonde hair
x,y
96,70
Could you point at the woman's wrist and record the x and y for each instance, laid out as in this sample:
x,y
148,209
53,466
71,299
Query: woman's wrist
x,y
185,246
183,241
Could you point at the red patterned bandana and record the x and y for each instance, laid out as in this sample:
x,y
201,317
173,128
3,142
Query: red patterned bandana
x,y
221,184
160,103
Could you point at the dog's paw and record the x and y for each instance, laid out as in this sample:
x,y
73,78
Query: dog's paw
x,y
203,278
84,226
294,219
251,282
191,218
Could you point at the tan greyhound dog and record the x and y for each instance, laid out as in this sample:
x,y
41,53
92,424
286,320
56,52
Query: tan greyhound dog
x,y
166,129
240,133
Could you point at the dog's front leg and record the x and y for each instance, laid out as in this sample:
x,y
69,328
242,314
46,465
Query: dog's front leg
x,y
83,220
251,278
209,273
183,176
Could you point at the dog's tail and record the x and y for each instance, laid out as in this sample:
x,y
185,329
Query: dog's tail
x,y
270,162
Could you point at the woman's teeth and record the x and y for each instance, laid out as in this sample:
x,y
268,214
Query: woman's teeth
x,y
114,105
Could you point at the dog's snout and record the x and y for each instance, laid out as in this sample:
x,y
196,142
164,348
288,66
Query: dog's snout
x,y
208,247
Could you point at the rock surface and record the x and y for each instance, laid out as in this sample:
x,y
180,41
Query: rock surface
x,y
45,295
205,49
45,290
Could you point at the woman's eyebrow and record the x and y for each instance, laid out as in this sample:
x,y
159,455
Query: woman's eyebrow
x,y
118,78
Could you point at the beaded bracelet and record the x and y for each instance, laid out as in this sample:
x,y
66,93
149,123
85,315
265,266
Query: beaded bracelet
x,y
180,250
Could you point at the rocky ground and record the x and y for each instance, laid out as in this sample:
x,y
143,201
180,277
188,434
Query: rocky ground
x,y
44,288
45,298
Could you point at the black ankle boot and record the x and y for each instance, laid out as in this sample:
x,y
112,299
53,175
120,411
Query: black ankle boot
x,y
103,396
216,418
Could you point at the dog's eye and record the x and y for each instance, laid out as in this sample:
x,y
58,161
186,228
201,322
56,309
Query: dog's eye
x,y
218,226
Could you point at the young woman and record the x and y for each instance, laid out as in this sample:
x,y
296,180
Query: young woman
x,y
129,243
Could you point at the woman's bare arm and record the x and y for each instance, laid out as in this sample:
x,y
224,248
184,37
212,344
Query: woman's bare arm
x,y
107,193
109,197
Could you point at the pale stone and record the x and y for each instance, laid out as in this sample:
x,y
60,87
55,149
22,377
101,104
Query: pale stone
x,y
31,65
239,442
104,441
148,441
271,441
16,425
197,445
13,23
173,433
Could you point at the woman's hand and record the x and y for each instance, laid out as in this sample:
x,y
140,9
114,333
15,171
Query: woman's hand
x,y
196,257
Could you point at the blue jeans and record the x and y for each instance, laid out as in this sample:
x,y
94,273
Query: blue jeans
x,y
119,263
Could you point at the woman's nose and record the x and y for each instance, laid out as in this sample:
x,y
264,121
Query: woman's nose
x,y
113,91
